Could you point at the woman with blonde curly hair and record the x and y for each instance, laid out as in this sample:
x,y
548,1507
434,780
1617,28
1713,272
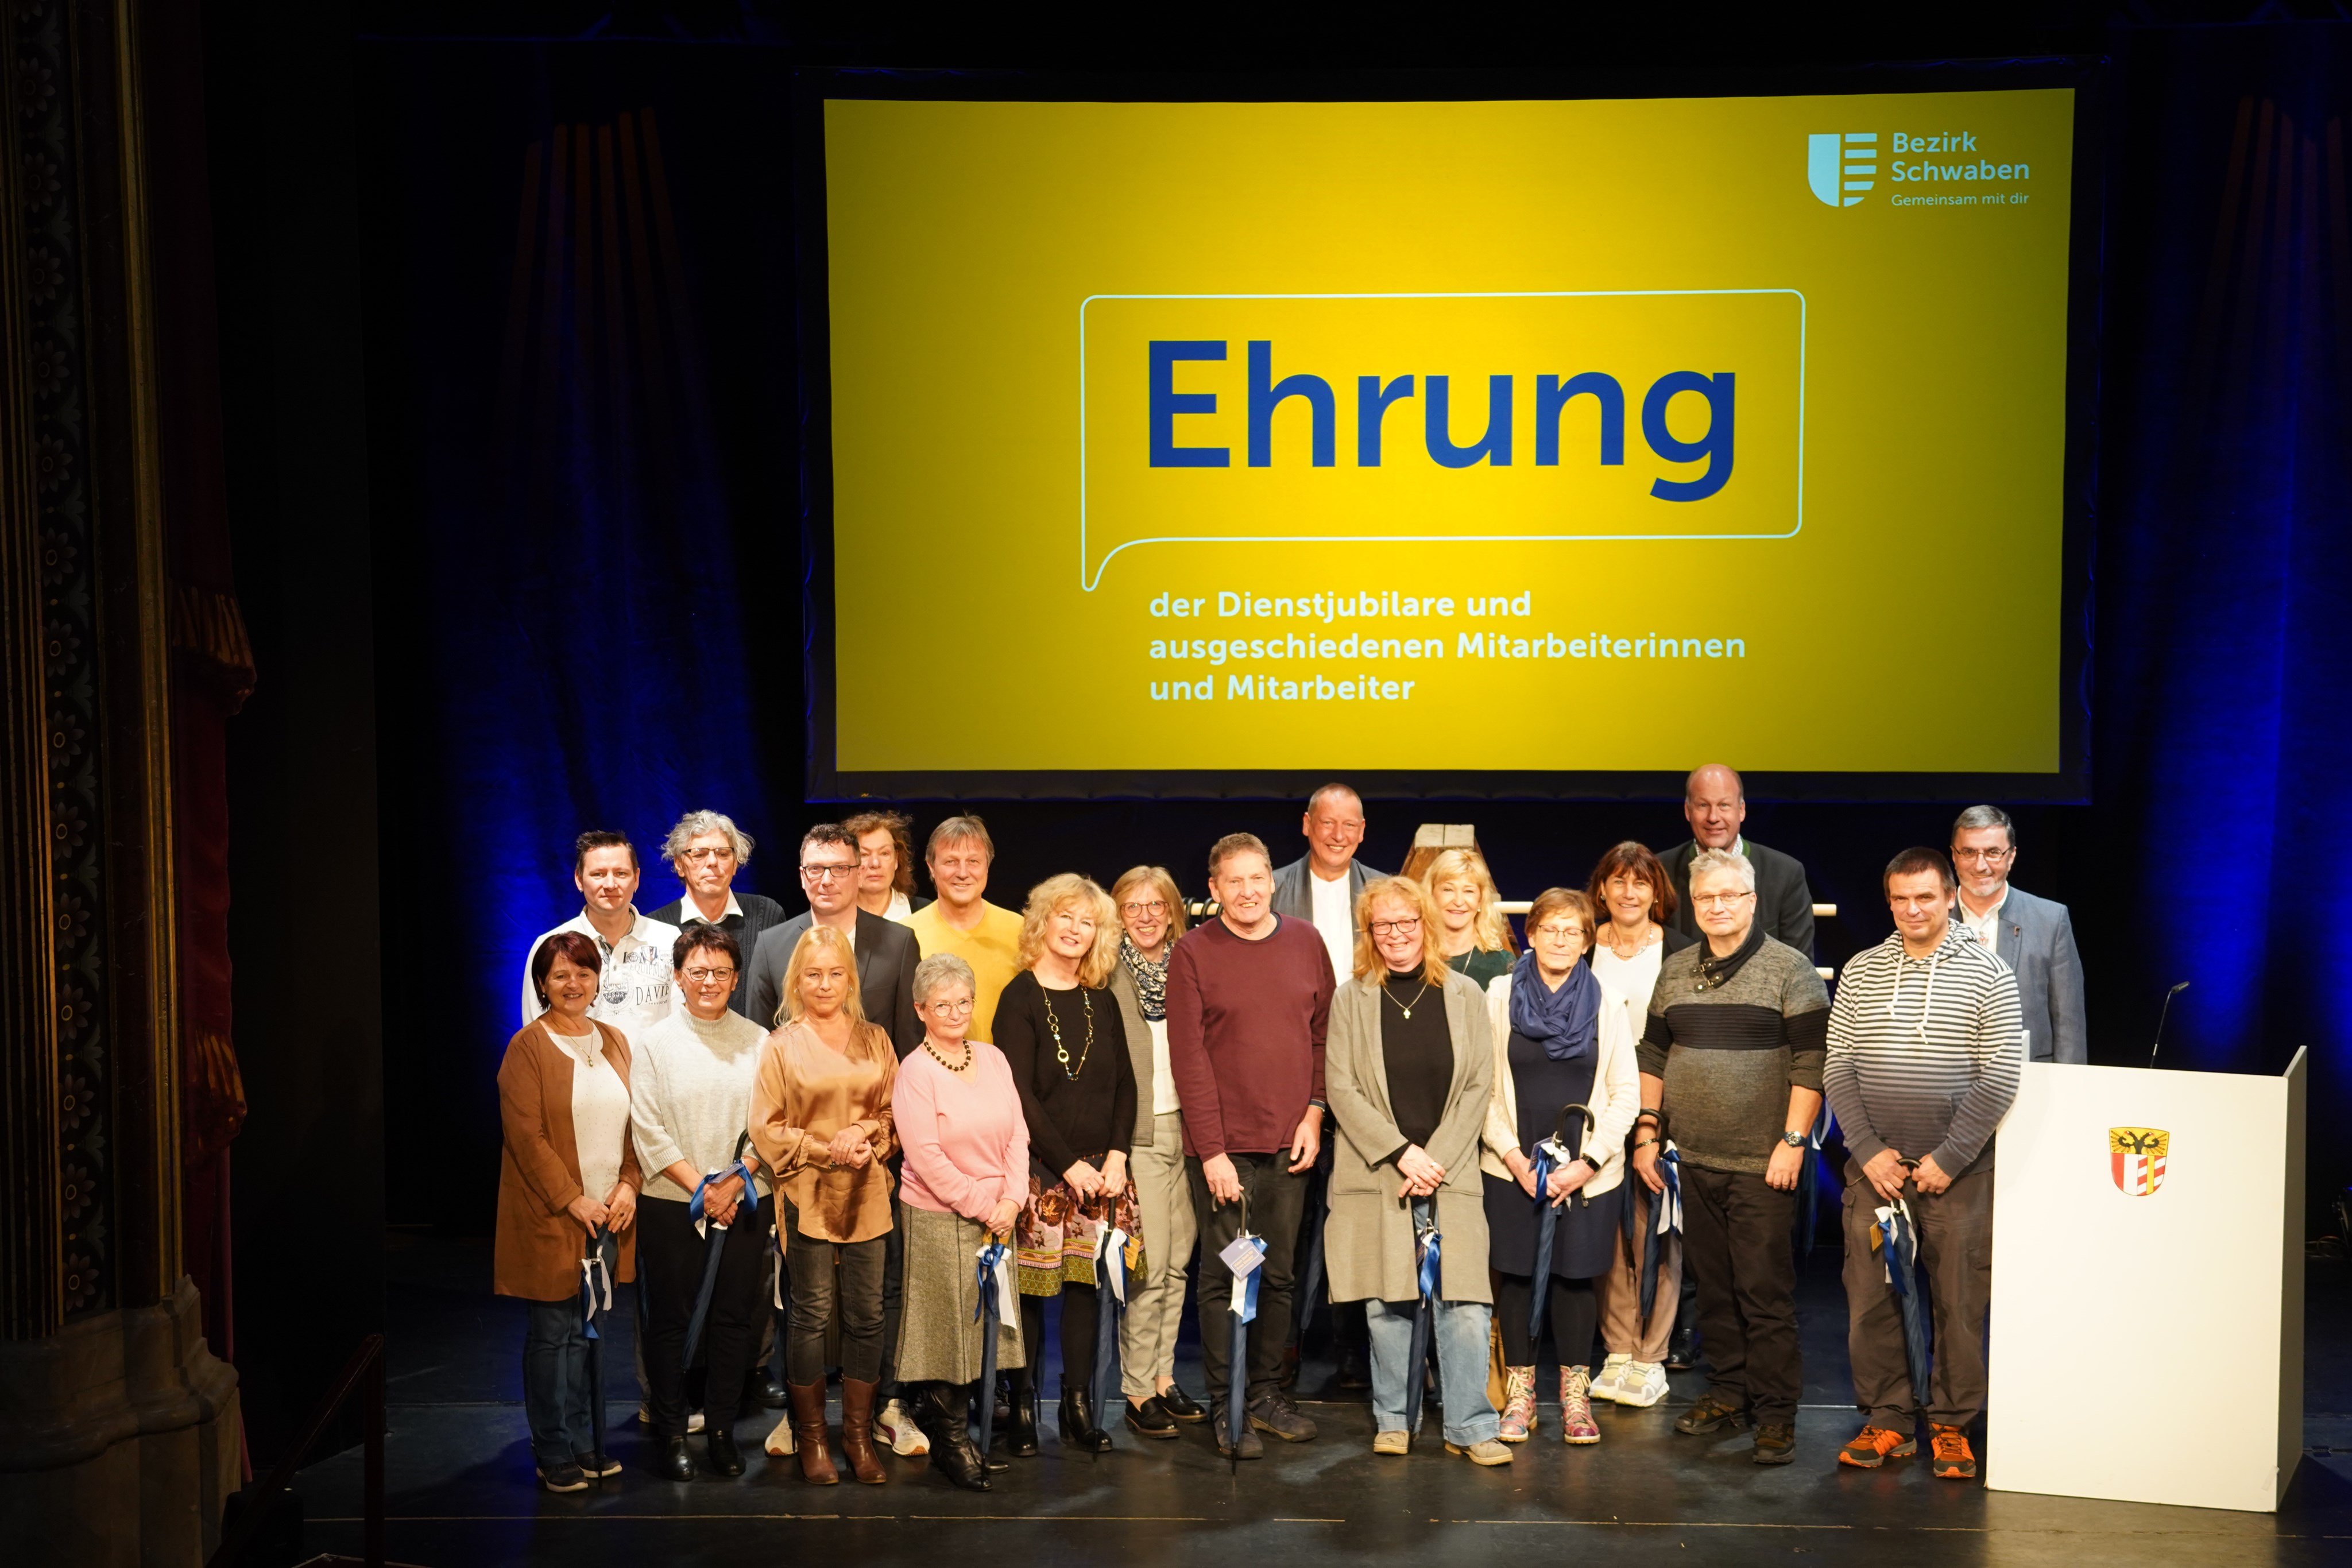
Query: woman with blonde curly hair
x,y
1472,935
1061,1031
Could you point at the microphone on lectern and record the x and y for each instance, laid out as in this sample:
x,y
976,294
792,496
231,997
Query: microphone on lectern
x,y
2159,1021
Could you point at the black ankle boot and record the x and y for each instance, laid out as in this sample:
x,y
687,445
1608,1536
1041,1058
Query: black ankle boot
x,y
1021,1429
720,1456
672,1462
1078,1429
939,1410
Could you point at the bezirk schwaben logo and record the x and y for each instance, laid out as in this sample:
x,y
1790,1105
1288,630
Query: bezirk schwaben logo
x,y
1842,166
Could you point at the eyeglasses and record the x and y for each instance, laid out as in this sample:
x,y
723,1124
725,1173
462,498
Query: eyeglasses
x,y
706,854
710,977
1982,857
1396,928
1157,906
951,1008
1717,900
1560,931
832,871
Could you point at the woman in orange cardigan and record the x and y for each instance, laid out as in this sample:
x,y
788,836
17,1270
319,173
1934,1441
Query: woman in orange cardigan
x,y
569,1171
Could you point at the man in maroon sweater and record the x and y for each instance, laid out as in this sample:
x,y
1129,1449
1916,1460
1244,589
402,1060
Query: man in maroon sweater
x,y
1249,994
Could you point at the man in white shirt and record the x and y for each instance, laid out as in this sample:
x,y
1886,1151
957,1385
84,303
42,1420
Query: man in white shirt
x,y
705,850
635,992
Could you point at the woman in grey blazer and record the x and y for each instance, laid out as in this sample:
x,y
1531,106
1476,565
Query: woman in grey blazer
x,y
1408,1070
1150,917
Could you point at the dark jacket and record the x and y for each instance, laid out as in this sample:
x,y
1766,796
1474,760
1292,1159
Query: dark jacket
x,y
1784,901
886,957
760,914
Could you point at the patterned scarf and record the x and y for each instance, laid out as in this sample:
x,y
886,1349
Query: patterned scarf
x,y
1151,978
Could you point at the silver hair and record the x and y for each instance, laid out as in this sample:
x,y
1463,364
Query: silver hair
x,y
694,824
1727,861
938,970
1984,816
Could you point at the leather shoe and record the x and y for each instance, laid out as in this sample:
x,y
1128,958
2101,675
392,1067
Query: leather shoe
x,y
1151,1419
1021,1423
940,1410
1276,1415
770,1393
720,1455
1181,1404
1078,1429
1682,1350
672,1462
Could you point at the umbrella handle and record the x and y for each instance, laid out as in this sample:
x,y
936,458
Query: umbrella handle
x,y
1575,1149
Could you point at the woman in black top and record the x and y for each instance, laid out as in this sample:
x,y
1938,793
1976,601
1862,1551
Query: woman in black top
x,y
1059,1027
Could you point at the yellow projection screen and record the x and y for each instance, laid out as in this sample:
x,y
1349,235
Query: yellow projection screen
x,y
1505,447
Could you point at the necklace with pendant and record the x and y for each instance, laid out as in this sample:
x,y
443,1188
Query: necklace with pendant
x,y
1402,1007
1061,1052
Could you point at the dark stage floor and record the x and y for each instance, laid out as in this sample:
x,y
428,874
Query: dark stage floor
x,y
461,1490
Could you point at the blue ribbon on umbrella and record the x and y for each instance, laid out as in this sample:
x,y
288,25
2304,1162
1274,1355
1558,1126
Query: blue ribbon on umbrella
x,y
1667,1214
1110,1300
990,1313
1899,1251
1552,1153
715,1244
595,1268
1427,1244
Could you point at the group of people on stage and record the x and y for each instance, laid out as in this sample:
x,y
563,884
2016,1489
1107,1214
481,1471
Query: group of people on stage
x,y
835,1116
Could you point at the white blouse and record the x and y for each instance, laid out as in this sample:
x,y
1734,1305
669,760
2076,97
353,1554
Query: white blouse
x,y
600,1112
1633,978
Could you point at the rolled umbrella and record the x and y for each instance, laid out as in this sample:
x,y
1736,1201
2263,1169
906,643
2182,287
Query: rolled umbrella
x,y
595,1278
1666,1218
1110,1300
714,1243
990,1311
1899,1251
1809,1185
1244,1256
1428,1266
1552,1155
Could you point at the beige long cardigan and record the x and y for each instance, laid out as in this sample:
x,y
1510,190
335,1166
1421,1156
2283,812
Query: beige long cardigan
x,y
1368,1240
1616,1092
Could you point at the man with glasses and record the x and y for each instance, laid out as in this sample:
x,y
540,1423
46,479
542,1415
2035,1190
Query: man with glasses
x,y
1923,1061
1731,1070
705,850
962,922
1249,998
886,954
1714,804
2034,936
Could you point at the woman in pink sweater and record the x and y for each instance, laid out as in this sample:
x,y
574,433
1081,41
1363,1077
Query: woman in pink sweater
x,y
958,1115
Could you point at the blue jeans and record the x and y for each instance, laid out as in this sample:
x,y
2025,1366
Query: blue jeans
x,y
556,1399
1459,1330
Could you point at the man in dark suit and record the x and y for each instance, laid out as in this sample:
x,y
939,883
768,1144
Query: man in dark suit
x,y
1714,804
2034,936
885,950
705,850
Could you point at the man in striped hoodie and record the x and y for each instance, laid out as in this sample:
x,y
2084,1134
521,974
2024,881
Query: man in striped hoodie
x,y
1924,1058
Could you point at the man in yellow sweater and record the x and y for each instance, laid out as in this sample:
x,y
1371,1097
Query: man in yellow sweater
x,y
965,923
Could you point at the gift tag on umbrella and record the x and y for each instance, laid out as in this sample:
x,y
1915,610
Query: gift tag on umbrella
x,y
1244,1257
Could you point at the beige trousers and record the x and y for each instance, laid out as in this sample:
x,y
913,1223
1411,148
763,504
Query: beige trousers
x,y
1622,1328
1155,1303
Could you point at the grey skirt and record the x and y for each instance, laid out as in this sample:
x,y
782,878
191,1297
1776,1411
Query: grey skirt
x,y
938,1335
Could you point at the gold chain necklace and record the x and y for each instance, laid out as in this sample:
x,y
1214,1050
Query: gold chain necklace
x,y
1061,1052
1401,1006
932,1051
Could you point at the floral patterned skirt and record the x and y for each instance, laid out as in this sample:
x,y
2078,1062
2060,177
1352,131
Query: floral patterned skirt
x,y
1056,1237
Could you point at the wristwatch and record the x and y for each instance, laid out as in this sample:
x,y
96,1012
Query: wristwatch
x,y
1794,1140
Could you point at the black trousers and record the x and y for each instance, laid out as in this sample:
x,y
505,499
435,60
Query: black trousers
x,y
1572,1316
1272,1200
670,1259
1738,1248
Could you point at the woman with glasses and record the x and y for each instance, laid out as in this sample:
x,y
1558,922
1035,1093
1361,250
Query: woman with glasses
x,y
1150,917
1473,932
567,1175
1408,1071
1062,1032
957,1116
1635,901
1561,1041
690,1114
820,1121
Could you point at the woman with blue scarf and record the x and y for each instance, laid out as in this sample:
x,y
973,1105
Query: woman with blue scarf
x,y
1556,1046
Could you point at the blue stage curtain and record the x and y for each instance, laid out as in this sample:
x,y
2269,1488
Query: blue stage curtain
x,y
2224,736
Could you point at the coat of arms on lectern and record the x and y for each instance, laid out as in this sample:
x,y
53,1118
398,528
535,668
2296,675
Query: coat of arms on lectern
x,y
2137,1155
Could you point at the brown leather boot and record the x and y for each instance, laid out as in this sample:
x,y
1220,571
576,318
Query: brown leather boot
x,y
808,1432
858,1431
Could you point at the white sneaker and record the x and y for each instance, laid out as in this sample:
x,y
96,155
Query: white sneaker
x,y
779,1441
645,1419
1642,1384
1605,1384
897,1429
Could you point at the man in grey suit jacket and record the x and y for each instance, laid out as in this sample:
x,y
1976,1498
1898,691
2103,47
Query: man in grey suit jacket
x,y
2034,936
1333,826
1714,804
885,950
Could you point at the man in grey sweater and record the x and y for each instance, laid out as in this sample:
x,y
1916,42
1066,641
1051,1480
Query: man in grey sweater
x,y
1731,1066
1925,1054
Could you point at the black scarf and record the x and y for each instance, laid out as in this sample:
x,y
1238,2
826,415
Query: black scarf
x,y
1715,973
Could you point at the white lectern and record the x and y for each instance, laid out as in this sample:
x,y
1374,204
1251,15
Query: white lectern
x,y
2147,1340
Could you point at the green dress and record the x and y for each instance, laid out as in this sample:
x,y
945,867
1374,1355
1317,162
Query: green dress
x,y
1481,965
